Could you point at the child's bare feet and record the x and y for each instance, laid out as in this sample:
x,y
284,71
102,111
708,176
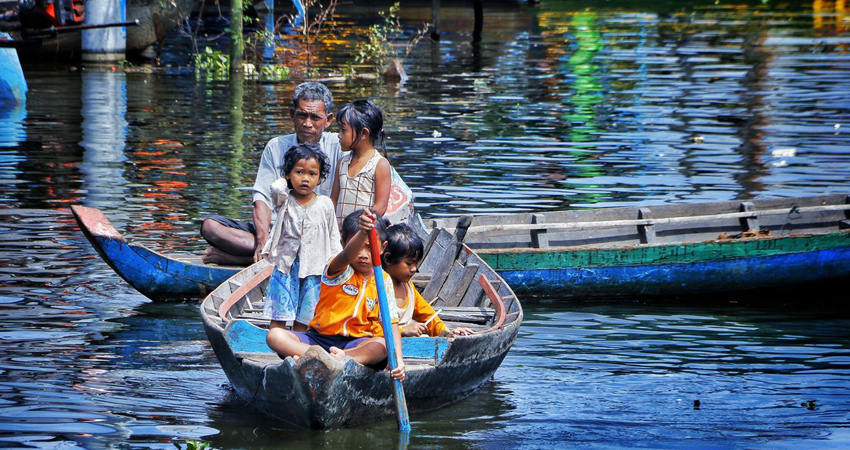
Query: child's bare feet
x,y
337,352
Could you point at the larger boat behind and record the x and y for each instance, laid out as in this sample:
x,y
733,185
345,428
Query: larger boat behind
x,y
668,249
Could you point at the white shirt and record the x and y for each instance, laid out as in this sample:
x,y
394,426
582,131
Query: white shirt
x,y
272,161
307,232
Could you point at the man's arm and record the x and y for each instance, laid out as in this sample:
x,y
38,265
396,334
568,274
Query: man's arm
x,y
262,222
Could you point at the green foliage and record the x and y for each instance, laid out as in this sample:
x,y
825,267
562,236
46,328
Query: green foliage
x,y
378,50
349,71
212,62
192,444
275,72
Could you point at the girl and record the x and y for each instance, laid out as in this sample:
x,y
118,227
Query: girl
x,y
302,240
364,177
400,260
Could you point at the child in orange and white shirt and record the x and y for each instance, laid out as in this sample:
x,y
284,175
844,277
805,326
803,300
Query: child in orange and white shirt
x,y
400,259
347,317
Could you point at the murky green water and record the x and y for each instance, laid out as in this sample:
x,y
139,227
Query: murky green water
x,y
564,104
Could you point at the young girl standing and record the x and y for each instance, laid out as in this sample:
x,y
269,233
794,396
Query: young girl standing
x,y
302,240
364,178
400,260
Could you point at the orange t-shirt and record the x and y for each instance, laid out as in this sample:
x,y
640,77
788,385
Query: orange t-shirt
x,y
419,310
348,305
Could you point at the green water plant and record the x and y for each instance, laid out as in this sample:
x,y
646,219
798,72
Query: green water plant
x,y
379,49
212,62
192,444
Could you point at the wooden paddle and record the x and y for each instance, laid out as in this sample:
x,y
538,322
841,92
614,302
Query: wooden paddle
x,y
386,323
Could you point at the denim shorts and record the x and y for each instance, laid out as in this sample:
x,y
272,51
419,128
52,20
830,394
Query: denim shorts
x,y
290,297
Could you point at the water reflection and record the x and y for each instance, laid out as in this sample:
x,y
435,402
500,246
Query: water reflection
x,y
104,106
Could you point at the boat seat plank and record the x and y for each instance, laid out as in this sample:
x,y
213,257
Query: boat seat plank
x,y
259,277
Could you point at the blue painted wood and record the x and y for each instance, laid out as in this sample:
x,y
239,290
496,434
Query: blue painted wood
x,y
668,279
13,85
243,336
157,276
386,323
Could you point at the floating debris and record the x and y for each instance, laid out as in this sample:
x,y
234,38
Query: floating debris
x,y
810,405
697,139
784,152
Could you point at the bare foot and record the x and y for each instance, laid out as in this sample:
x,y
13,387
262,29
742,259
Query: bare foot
x,y
216,256
296,358
337,353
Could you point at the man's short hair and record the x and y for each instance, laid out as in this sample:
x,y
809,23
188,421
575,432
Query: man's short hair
x,y
311,90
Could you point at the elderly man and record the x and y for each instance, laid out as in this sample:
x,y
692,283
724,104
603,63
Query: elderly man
x,y
240,243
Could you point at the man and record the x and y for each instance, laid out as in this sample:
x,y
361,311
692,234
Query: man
x,y
239,243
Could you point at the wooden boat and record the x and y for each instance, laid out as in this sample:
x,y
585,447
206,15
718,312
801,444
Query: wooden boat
x,y
668,249
155,275
319,391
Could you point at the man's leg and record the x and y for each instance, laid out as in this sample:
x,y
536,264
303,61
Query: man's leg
x,y
231,246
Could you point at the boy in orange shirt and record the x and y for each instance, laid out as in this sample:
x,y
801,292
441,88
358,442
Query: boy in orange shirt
x,y
347,320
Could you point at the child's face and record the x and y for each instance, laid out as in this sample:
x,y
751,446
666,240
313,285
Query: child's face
x,y
403,270
346,136
363,263
304,176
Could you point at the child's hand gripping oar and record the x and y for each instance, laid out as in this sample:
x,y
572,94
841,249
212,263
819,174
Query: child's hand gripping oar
x,y
386,323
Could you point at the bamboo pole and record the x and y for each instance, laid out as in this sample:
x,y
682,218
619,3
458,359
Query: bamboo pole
x,y
237,45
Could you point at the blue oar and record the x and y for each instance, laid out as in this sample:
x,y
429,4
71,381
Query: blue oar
x,y
386,322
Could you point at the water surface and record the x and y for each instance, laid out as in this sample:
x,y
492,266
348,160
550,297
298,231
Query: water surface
x,y
560,105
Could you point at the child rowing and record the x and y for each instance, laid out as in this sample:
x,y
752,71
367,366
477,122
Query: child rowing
x,y
302,240
347,320
401,259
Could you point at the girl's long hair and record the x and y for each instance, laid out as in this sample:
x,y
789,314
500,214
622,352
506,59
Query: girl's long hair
x,y
361,114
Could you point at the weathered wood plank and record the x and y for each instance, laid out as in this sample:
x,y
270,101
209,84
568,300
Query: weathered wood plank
x,y
646,232
539,238
749,223
455,297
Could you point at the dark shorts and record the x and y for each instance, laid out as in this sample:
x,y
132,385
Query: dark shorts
x,y
233,223
326,341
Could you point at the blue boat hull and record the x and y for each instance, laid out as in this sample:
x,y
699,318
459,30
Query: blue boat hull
x,y
153,274
694,277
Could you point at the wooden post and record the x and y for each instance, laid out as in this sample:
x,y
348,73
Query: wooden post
x,y
237,45
104,44
479,20
646,232
845,224
749,223
539,238
435,19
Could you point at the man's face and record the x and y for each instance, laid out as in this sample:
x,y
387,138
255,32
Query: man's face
x,y
310,120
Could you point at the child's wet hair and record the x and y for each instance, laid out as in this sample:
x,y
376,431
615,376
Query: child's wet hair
x,y
351,224
305,150
402,244
361,114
